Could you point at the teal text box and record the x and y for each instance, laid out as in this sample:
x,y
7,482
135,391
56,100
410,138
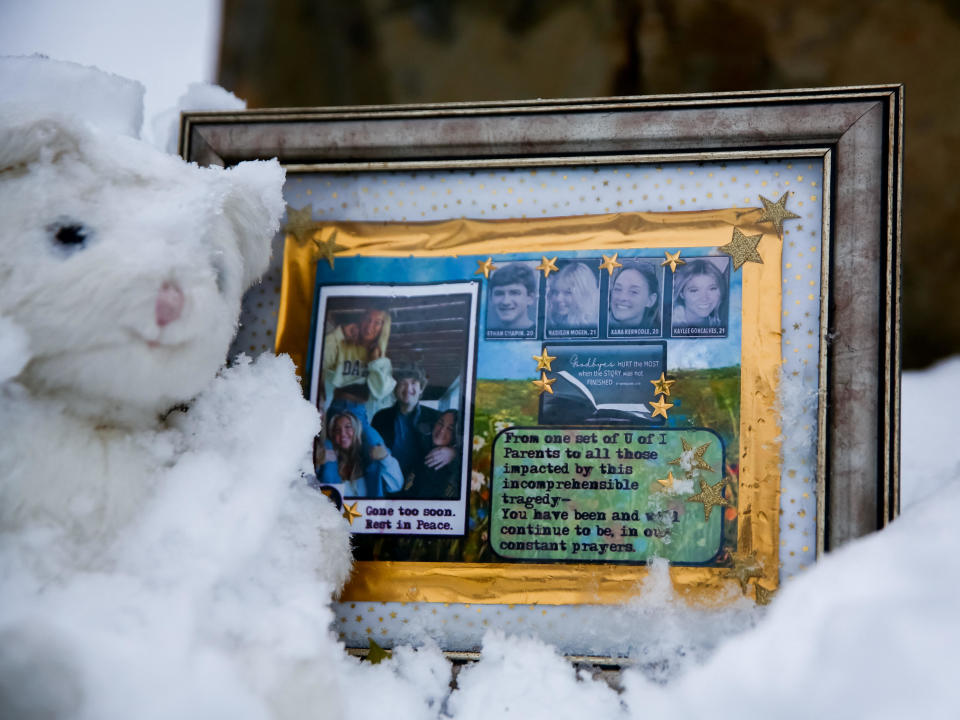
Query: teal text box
x,y
575,494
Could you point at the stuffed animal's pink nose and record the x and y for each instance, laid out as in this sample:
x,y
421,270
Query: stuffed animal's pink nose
x,y
169,303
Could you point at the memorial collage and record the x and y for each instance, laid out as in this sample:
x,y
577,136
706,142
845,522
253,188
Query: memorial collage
x,y
429,389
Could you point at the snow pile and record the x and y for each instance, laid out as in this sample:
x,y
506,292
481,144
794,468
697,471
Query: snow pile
x,y
201,596
109,102
522,678
931,456
198,97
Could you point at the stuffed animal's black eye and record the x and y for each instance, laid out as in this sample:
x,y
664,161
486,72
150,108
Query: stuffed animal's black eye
x,y
70,235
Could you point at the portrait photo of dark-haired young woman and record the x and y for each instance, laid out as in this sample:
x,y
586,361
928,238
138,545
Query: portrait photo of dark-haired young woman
x,y
633,306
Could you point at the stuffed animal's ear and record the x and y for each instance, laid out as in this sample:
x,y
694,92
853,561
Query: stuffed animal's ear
x,y
24,141
254,205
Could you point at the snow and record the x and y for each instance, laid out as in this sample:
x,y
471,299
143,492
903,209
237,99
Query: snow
x,y
930,457
522,678
177,617
112,103
198,97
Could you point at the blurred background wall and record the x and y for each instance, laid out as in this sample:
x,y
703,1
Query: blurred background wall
x,y
349,52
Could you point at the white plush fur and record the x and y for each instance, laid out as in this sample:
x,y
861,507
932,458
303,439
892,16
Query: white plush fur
x,y
100,365
97,475
149,219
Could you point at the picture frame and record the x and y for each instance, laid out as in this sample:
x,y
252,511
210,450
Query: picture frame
x,y
849,140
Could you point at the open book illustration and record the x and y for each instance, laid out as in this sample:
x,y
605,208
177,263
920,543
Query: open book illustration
x,y
639,409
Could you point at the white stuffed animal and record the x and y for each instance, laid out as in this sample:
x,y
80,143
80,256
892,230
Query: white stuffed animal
x,y
131,532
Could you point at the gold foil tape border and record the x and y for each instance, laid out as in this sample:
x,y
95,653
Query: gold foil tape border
x,y
555,584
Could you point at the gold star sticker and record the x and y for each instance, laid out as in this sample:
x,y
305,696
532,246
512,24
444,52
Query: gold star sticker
x,y
544,384
377,654
661,386
668,480
742,248
547,265
350,512
300,223
776,213
544,360
673,260
485,267
328,248
697,460
745,566
610,263
711,496
660,407
764,596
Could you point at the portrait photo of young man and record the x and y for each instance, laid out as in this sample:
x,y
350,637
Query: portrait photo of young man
x,y
512,301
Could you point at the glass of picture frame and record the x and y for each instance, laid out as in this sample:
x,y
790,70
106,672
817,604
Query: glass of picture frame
x,y
554,341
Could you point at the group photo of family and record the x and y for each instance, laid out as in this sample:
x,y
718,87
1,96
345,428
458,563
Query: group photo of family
x,y
390,384
581,301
